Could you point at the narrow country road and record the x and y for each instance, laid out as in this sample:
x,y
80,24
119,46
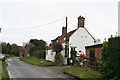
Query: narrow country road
x,y
20,69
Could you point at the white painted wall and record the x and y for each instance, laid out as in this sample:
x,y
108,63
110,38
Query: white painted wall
x,y
79,39
50,55
63,51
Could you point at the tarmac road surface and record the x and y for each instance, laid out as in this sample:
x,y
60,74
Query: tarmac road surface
x,y
20,69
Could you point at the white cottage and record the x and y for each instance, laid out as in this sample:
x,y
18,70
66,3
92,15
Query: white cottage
x,y
77,39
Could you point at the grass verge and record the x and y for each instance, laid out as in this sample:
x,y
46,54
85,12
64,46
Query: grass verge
x,y
83,73
10,57
0,69
5,75
37,61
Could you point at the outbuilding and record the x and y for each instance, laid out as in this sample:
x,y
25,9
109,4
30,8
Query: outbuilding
x,y
93,55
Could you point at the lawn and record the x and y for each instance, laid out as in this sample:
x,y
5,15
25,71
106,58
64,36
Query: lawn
x,y
83,73
37,61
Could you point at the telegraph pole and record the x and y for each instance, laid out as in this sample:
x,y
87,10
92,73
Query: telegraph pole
x,y
66,26
66,45
66,42
0,30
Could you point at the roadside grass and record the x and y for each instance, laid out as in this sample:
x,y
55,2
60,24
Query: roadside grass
x,y
37,61
3,72
83,73
10,57
0,69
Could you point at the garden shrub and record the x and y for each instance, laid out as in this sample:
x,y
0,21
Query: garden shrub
x,y
39,54
110,63
59,59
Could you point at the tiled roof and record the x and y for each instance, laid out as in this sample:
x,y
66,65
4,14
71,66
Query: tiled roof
x,y
68,35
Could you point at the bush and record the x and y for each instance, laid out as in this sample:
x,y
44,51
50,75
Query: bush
x,y
110,62
59,59
57,47
39,54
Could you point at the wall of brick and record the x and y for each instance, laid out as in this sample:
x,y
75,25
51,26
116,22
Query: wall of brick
x,y
98,54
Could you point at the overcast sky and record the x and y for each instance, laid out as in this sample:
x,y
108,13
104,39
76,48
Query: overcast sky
x,y
21,20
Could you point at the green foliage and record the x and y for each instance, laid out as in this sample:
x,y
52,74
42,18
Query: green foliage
x,y
4,47
39,54
59,59
8,48
13,49
57,47
42,54
110,62
36,53
38,44
38,48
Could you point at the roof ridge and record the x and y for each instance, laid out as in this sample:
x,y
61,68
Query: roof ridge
x,y
68,34
89,33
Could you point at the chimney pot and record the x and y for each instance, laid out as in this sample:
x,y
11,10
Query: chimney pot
x,y
64,31
81,21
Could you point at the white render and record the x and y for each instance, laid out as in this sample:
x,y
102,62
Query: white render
x,y
50,55
79,39
63,54
63,51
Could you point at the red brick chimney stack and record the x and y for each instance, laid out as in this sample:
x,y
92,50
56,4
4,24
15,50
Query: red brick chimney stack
x,y
81,21
64,31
